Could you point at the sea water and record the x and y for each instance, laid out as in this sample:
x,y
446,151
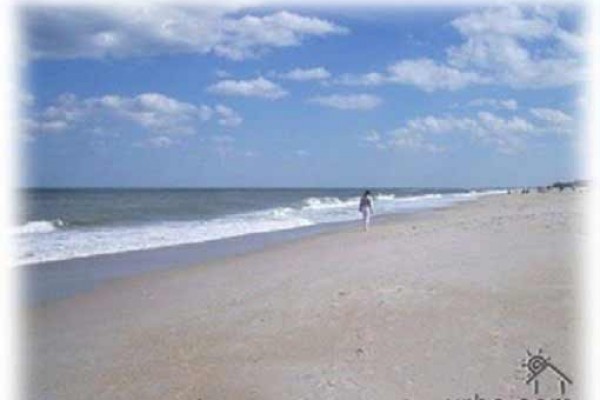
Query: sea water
x,y
62,224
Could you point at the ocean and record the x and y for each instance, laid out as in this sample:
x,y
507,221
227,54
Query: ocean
x,y
64,224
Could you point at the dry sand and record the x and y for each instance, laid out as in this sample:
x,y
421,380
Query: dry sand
x,y
441,306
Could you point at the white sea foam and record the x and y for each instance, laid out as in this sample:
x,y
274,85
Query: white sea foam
x,y
317,203
45,240
422,198
35,227
68,244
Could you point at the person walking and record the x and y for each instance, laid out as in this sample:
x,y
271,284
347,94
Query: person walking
x,y
366,208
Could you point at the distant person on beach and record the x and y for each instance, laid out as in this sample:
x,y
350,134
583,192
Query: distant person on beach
x,y
366,208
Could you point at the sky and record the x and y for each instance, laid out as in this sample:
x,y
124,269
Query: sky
x,y
174,96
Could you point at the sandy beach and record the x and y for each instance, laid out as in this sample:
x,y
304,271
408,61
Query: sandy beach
x,y
442,305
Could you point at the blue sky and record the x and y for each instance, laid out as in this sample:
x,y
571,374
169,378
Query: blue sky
x,y
173,96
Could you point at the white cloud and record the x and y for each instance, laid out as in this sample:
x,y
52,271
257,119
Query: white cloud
x,y
506,21
221,73
555,120
227,116
368,79
374,138
309,74
401,138
507,104
51,126
348,102
428,75
151,112
78,32
551,115
440,125
572,42
506,135
259,87
406,139
501,131
424,73
516,47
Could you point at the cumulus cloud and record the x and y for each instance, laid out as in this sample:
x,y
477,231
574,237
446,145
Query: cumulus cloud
x,y
78,32
374,138
517,47
572,42
507,21
221,73
412,140
506,104
32,126
424,73
360,101
523,48
428,75
555,120
227,116
507,135
259,87
367,79
401,139
309,74
150,112
551,115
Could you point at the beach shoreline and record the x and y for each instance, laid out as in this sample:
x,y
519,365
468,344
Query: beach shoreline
x,y
50,281
444,304
67,224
